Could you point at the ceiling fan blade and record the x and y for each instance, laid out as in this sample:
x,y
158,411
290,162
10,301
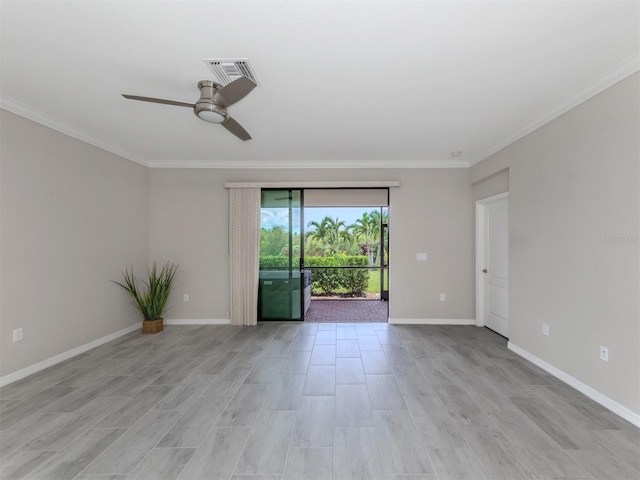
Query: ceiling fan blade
x,y
158,100
237,129
235,91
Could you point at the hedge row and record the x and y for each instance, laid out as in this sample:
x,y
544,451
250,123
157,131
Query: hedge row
x,y
329,280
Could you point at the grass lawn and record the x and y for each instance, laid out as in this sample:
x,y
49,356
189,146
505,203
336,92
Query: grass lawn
x,y
374,281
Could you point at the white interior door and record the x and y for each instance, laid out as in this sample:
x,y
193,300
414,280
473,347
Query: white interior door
x,y
496,266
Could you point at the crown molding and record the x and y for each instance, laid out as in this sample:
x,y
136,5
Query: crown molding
x,y
29,113
627,67
268,164
618,73
22,110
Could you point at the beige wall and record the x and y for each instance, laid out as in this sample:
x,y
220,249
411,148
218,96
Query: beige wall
x,y
574,184
430,212
72,215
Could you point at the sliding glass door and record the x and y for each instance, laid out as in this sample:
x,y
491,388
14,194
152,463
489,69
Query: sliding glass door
x,y
333,242
281,294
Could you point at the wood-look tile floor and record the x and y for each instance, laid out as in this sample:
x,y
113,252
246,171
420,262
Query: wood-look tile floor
x,y
308,401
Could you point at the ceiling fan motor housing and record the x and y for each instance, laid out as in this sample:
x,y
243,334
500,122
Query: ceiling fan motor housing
x,y
206,108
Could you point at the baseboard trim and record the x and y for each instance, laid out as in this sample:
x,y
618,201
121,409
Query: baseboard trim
x,y
25,372
590,392
432,321
197,321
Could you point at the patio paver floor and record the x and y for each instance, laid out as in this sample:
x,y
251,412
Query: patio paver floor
x,y
338,311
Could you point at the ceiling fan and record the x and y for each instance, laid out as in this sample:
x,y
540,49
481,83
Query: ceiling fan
x,y
213,103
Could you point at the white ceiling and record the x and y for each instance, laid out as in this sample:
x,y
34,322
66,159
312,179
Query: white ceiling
x,y
343,83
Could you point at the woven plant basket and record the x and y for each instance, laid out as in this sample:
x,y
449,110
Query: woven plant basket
x,y
153,326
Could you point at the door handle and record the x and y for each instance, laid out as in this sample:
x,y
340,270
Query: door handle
x,y
484,271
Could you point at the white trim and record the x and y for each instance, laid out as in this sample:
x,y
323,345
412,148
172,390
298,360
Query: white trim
x,y
480,234
197,321
618,73
25,372
339,184
432,321
298,164
480,248
590,392
615,75
42,119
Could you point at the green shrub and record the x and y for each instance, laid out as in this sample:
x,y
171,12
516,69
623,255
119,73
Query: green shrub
x,y
354,280
323,279
329,280
274,261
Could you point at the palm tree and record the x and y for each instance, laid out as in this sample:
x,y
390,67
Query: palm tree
x,y
330,234
339,237
318,235
366,229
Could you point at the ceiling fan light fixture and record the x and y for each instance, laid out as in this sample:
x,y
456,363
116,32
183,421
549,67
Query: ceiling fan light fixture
x,y
210,113
213,103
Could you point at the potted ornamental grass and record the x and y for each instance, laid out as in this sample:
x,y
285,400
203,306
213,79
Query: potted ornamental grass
x,y
150,296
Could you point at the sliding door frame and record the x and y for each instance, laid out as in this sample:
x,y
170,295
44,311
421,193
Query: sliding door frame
x,y
291,266
301,187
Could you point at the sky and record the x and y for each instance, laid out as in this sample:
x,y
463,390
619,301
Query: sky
x,y
270,217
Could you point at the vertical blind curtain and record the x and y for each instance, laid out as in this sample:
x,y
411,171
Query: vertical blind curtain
x,y
244,240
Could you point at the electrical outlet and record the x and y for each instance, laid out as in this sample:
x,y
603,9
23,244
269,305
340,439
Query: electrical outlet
x,y
421,257
18,334
545,329
604,354
442,297
185,297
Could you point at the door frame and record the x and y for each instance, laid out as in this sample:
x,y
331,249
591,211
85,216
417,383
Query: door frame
x,y
481,211
304,186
